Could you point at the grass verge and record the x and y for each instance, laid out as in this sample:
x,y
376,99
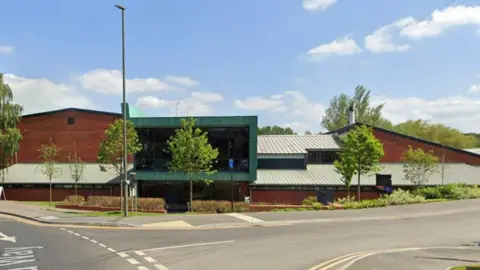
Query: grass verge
x,y
466,267
42,204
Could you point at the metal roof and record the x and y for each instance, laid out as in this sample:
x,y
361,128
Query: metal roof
x,y
29,173
295,144
473,150
325,175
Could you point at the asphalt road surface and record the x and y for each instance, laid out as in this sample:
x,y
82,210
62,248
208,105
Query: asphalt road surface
x,y
301,246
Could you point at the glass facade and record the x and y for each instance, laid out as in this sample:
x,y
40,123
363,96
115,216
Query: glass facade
x,y
154,157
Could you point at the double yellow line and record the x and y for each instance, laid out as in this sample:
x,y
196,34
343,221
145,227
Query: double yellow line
x,y
351,258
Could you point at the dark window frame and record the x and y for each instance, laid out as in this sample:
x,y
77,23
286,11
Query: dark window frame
x,y
70,120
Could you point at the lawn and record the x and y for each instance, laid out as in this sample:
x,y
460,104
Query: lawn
x,y
466,267
42,204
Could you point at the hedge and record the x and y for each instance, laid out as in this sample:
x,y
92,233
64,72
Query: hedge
x,y
218,206
147,204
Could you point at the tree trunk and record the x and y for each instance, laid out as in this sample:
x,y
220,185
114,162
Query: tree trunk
x,y
191,193
121,192
76,189
348,192
50,192
358,187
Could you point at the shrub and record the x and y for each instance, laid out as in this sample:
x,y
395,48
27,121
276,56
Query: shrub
x,y
450,191
151,204
218,206
400,196
311,200
346,199
74,200
147,204
103,201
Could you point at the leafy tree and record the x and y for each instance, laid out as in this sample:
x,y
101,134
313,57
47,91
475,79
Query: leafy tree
x,y
437,133
346,167
419,165
362,151
10,136
336,115
308,132
275,130
191,152
110,154
77,166
48,155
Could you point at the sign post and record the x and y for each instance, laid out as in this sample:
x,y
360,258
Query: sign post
x,y
231,165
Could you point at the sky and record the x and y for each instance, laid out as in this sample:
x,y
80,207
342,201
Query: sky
x,y
283,60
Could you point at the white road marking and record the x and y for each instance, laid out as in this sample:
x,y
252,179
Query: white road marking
x,y
132,261
150,259
4,237
86,238
122,254
139,253
102,245
244,217
142,268
161,267
76,234
111,250
69,231
63,229
190,245
93,241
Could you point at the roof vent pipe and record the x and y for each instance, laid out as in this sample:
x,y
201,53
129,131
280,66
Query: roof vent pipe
x,y
351,115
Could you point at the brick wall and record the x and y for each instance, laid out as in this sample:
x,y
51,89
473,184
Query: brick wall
x,y
280,196
87,133
394,146
42,194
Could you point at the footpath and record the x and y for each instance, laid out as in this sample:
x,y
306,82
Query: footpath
x,y
234,220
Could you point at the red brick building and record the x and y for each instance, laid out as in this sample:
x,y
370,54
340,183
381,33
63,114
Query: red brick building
x,y
68,129
293,167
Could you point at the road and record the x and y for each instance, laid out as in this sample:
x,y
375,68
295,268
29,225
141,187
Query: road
x,y
299,246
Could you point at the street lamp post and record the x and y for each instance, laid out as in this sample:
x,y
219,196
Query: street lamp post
x,y
124,162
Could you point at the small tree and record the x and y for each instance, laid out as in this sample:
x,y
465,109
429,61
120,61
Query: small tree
x,y
362,151
346,167
419,165
48,154
110,154
191,152
77,166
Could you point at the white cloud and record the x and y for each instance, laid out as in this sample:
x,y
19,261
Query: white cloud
x,y
40,94
110,82
182,81
344,46
197,104
381,39
441,20
455,111
258,103
290,105
317,5
6,49
474,88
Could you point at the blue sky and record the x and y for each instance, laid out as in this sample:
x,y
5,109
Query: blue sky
x,y
280,59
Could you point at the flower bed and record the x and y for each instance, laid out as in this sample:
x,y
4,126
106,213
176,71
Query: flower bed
x,y
110,203
104,209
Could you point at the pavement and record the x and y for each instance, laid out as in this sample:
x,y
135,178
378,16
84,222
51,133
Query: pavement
x,y
234,220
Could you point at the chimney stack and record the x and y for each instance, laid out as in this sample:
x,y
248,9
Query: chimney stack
x,y
351,115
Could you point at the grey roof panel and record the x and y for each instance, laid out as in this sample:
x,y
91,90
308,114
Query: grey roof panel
x,y
294,144
29,173
321,175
